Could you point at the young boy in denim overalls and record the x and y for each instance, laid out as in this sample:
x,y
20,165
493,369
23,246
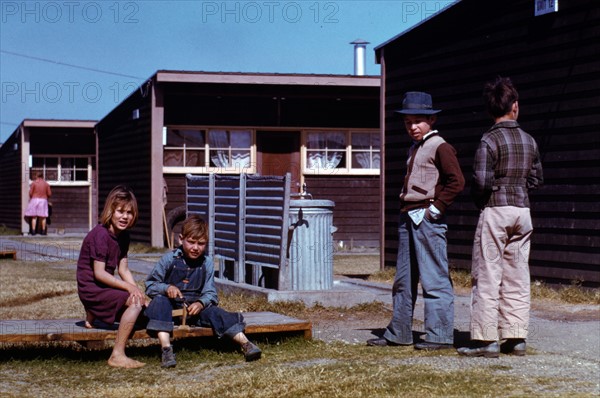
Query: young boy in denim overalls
x,y
185,276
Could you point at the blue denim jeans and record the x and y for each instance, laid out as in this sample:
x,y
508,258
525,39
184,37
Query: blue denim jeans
x,y
422,254
223,323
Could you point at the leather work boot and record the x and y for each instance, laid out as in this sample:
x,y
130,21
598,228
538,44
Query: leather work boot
x,y
168,358
514,347
429,346
251,351
482,349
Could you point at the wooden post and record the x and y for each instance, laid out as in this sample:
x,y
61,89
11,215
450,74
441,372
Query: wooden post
x,y
164,216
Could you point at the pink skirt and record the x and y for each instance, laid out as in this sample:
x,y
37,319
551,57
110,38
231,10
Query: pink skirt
x,y
37,207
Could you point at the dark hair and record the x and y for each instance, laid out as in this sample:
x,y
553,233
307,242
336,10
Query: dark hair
x,y
499,96
119,196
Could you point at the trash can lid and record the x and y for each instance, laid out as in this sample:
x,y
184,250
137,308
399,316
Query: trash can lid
x,y
311,203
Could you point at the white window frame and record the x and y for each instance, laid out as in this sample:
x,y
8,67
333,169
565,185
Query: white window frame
x,y
59,169
250,169
347,169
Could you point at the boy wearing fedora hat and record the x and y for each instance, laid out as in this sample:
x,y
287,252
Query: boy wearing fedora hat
x,y
432,182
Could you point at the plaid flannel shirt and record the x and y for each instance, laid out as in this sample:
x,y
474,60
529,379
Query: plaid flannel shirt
x,y
507,166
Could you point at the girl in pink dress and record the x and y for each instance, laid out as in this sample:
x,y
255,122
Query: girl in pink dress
x,y
105,297
37,209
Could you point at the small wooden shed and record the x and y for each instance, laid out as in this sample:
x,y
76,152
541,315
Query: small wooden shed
x,y
323,129
553,60
64,151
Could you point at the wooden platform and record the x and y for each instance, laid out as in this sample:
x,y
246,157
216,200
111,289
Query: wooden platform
x,y
18,331
8,254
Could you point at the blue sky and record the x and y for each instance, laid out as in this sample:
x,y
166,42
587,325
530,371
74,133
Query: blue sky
x,y
79,59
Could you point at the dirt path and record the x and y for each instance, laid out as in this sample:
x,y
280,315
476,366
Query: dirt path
x,y
563,344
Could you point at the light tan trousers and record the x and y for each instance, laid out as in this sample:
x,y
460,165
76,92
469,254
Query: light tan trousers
x,y
500,297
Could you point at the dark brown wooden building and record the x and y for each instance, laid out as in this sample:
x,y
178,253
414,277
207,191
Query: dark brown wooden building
x,y
65,152
553,60
323,129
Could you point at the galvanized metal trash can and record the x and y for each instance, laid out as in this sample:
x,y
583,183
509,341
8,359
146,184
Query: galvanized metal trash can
x,y
311,244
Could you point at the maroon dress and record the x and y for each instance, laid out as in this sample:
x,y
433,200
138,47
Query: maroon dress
x,y
104,302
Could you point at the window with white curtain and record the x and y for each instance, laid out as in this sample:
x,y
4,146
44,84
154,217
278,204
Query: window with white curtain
x,y
211,149
325,150
350,152
365,151
230,148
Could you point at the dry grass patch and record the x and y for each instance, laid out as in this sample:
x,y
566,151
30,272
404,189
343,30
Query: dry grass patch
x,y
355,264
4,230
570,294
573,293
291,366
142,248
384,276
34,290
460,278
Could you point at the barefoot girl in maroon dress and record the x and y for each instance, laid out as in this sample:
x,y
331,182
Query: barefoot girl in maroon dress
x,y
105,297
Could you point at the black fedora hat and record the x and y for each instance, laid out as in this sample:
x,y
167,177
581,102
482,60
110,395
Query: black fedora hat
x,y
417,103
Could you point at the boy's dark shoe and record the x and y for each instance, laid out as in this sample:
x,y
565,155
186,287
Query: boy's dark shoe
x,y
168,358
488,349
251,351
514,347
428,346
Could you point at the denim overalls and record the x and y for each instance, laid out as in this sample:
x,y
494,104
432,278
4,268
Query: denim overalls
x,y
190,281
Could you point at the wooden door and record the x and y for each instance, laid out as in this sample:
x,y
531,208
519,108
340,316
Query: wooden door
x,y
278,153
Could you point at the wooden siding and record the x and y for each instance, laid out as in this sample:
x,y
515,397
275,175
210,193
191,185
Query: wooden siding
x,y
62,141
124,157
70,209
263,107
552,59
271,105
53,138
356,214
70,204
11,181
176,184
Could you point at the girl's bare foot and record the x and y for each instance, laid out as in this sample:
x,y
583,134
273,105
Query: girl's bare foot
x,y
124,362
89,320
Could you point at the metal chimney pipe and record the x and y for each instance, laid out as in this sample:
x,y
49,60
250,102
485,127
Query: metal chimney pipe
x,y
360,49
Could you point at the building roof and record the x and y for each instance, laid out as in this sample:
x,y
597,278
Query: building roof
x,y
410,32
170,76
59,123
